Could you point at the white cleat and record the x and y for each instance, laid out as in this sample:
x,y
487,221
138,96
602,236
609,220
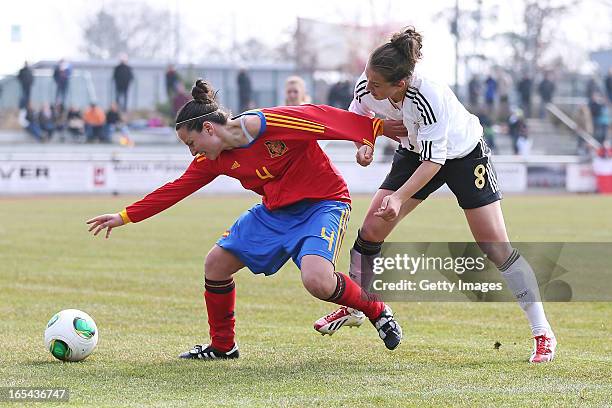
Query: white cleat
x,y
544,346
344,316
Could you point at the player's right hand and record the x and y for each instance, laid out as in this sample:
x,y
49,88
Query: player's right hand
x,y
394,129
365,155
108,221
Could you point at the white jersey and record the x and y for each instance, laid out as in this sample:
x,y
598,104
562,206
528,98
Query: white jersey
x,y
439,126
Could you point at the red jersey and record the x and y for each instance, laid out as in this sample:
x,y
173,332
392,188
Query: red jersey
x,y
284,164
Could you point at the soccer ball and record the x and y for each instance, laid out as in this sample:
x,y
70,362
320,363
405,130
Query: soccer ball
x,y
71,335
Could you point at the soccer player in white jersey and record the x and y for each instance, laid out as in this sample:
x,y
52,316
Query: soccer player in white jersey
x,y
443,144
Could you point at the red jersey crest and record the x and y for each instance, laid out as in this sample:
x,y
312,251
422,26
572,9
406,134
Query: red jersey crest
x,y
276,148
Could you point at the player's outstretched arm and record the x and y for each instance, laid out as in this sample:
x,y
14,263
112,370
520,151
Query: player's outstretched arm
x,y
105,221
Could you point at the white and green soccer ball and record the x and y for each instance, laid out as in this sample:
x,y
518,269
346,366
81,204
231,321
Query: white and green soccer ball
x,y
71,335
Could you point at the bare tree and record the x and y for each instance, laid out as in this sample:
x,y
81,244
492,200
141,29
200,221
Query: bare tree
x,y
131,28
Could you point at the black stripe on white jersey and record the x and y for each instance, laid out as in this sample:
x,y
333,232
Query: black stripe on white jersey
x,y
361,95
426,150
419,100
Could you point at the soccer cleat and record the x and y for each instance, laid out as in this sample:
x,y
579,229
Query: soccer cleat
x,y
543,348
206,352
388,329
344,316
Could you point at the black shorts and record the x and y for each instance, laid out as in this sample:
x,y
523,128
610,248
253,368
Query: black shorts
x,y
471,178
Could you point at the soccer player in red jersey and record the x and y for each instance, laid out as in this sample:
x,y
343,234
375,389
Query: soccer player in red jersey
x,y
304,214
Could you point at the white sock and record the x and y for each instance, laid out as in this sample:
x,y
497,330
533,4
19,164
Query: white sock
x,y
523,284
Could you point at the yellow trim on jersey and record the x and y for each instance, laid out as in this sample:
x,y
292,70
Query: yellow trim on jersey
x,y
268,123
378,127
292,122
125,217
367,142
276,115
200,157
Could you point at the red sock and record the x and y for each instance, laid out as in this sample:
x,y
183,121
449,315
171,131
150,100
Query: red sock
x,y
220,297
348,293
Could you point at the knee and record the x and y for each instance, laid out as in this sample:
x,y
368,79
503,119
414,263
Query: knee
x,y
370,232
214,267
318,284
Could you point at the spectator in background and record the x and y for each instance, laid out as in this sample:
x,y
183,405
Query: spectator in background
x,y
295,91
74,123
490,93
245,90
340,95
95,121
123,76
524,88
59,118
487,127
61,76
114,121
546,89
608,83
28,119
46,121
172,81
591,87
180,98
474,89
26,79
601,116
504,86
517,129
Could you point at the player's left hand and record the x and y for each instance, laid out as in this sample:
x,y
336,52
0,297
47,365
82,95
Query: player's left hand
x,y
389,208
365,155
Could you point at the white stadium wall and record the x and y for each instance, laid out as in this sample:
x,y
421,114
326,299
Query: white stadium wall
x,y
111,173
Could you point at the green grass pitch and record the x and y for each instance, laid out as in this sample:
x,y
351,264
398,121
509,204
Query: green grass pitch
x,y
144,289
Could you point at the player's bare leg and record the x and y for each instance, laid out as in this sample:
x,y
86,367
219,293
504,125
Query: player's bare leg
x,y
320,279
220,298
367,247
489,230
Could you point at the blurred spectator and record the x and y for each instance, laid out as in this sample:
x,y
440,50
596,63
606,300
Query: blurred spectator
x,y
123,76
74,123
487,127
59,116
340,95
591,87
26,79
546,89
490,92
295,91
474,89
61,76
504,86
114,121
600,115
517,129
172,81
179,99
29,121
609,85
244,91
524,90
46,121
523,145
95,121
583,119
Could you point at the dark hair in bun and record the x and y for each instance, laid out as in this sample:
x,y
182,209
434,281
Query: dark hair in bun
x,y
204,103
395,60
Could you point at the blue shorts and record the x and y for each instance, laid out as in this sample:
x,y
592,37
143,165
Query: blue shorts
x,y
264,240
